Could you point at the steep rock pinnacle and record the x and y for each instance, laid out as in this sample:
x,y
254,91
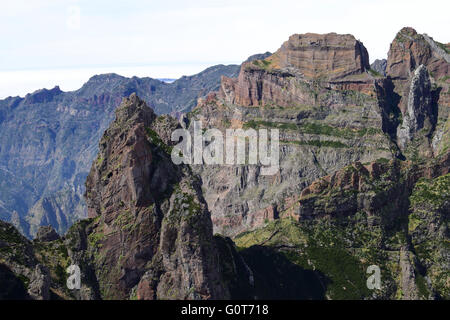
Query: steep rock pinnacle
x,y
152,228
411,49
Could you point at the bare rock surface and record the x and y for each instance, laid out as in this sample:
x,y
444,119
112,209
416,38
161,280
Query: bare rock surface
x,y
151,225
419,111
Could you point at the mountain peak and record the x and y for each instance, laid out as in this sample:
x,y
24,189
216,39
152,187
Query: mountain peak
x,y
148,207
43,95
134,109
105,77
408,31
410,49
327,56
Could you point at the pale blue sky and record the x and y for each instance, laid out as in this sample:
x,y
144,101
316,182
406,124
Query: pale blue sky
x,y
42,44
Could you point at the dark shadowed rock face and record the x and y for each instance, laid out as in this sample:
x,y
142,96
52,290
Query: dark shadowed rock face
x,y
18,261
419,111
150,233
46,233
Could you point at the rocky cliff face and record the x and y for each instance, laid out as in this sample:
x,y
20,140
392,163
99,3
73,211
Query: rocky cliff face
x,y
419,112
329,56
324,122
340,61
151,231
408,52
364,212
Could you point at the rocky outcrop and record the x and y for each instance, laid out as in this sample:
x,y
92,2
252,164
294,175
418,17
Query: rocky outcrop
x,y
149,235
18,261
46,233
441,49
409,50
330,56
336,61
152,230
419,113
408,284
39,283
428,228
379,65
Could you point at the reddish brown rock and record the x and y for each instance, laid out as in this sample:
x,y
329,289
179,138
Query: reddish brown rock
x,y
409,50
288,77
145,290
255,87
329,56
408,54
46,233
152,233
364,85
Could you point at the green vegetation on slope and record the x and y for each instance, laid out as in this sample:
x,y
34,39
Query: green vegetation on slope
x,y
343,274
312,128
